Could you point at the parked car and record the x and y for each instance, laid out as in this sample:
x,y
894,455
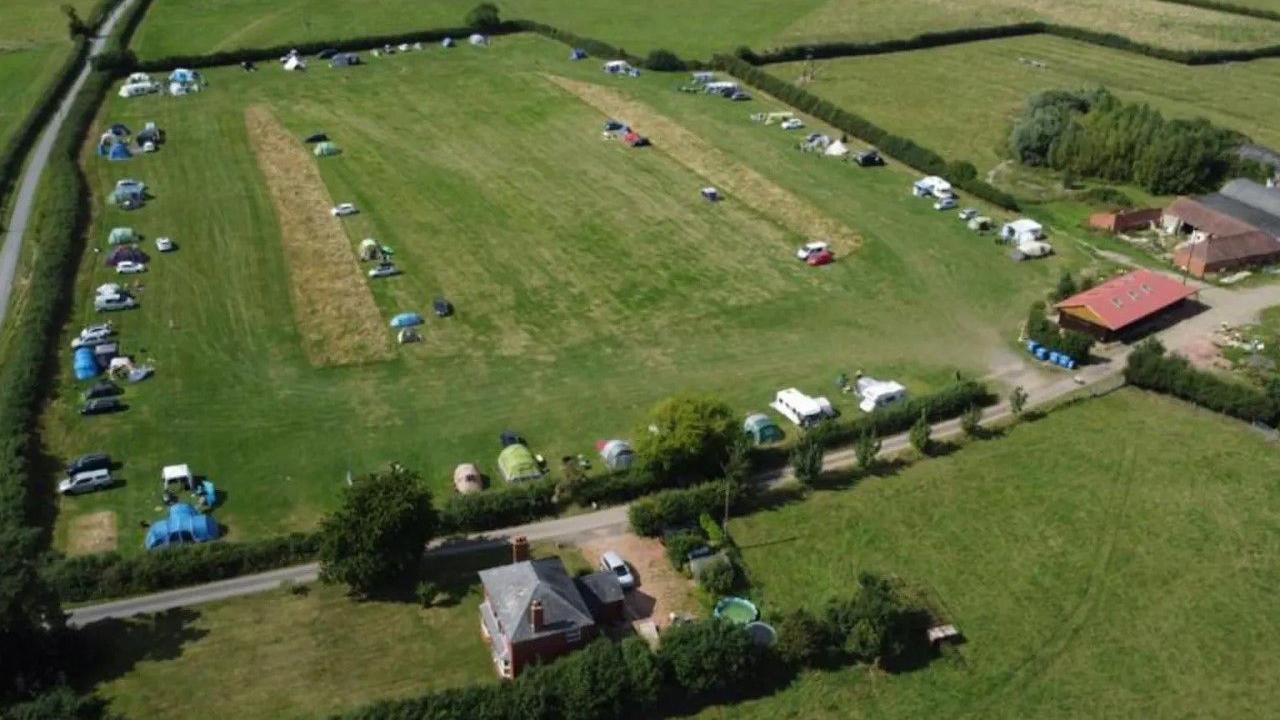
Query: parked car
x,y
86,481
810,249
164,244
129,185
384,269
820,258
612,562
91,461
102,329
109,303
791,124
101,406
343,210
101,389
968,213
77,343
442,307
740,96
944,203
326,53
129,267
109,289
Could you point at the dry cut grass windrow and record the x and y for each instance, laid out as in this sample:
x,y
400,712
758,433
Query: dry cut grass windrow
x,y
332,306
739,181
93,533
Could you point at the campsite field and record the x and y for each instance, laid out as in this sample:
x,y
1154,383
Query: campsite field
x,y
693,30
1113,559
960,100
590,279
305,655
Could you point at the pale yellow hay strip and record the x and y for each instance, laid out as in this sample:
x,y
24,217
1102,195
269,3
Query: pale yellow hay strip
x,y
741,182
92,533
332,306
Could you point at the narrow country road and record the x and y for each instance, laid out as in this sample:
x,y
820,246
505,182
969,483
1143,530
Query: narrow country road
x,y
25,199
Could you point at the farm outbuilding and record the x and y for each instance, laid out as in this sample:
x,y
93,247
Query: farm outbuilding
x,y
183,525
617,454
517,464
1118,307
467,479
1236,227
762,429
1124,220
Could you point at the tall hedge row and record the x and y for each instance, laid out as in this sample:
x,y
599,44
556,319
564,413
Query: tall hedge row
x,y
15,151
1230,8
1150,368
904,149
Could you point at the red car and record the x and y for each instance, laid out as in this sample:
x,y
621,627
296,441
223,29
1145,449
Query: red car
x,y
822,257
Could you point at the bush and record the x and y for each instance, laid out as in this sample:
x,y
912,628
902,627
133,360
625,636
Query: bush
x,y
708,656
871,620
1108,196
687,436
615,488
806,458
720,576
498,507
103,576
664,61
483,17
680,544
1150,368
804,640
921,435
651,515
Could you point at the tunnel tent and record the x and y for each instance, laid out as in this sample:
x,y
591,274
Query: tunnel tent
x,y
617,454
84,365
119,151
517,464
406,319
184,524
326,149
762,429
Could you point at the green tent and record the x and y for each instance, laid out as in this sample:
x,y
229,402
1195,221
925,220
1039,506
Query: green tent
x,y
517,464
761,429
326,149
122,236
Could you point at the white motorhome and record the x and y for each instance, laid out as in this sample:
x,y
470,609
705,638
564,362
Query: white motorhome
x,y
932,186
801,409
129,90
877,394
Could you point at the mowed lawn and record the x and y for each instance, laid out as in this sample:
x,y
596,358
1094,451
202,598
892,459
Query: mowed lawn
x,y
285,655
690,29
961,100
590,282
1116,559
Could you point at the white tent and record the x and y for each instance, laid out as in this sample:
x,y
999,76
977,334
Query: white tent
x,y
369,249
478,40
836,149
295,63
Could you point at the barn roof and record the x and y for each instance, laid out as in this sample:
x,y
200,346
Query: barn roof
x,y
1218,249
1125,300
1241,206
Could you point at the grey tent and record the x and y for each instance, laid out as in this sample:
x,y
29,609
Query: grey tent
x,y
344,60
617,454
762,429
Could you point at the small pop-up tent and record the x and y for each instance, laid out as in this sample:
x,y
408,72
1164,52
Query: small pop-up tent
x,y
617,454
369,249
836,149
125,253
121,236
447,42
577,54
84,365
326,149
183,525
119,151
406,319
762,429
344,60
518,464
295,62
478,40
467,479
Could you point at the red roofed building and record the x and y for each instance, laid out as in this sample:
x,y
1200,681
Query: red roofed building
x,y
1109,310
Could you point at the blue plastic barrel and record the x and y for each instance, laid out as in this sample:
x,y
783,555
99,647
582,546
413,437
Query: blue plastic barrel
x,y
1042,353
1032,345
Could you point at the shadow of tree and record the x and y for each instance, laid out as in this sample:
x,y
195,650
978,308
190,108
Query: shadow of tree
x,y
111,648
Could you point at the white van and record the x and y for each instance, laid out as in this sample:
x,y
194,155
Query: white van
x,y
107,303
87,481
801,409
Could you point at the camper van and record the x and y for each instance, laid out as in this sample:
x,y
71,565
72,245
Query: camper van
x,y
876,394
801,409
135,89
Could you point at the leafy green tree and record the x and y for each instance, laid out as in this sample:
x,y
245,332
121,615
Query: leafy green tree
x,y
484,17
57,703
804,639
1018,401
866,449
806,458
377,536
961,170
921,434
708,656
971,421
1066,286
870,620
31,618
687,436
737,463
663,61
720,576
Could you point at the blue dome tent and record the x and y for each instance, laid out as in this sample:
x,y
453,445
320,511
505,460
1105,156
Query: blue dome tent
x,y
404,320
84,365
119,151
184,525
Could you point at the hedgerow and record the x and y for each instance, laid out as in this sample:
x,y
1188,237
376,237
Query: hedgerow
x,y
1150,368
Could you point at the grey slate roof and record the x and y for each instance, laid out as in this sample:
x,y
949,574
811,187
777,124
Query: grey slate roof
x,y
512,588
1248,202
600,589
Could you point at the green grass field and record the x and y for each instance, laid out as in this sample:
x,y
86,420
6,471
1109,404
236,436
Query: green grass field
x,y
590,281
690,29
281,655
1114,559
960,100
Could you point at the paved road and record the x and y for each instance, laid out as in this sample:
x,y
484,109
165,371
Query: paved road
x,y
26,197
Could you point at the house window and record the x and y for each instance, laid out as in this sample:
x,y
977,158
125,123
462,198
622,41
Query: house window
x,y
573,636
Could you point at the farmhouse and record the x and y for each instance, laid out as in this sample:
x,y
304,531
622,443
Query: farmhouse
x,y
534,612
1125,220
1236,227
1116,308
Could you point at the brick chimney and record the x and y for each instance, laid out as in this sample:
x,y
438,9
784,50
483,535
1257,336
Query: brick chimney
x,y
535,615
519,549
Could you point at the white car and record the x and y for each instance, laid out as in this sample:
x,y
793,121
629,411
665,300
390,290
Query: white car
x,y
97,330
86,481
791,124
612,562
148,147
810,249
107,303
382,270
968,213
944,203
164,244
131,184
129,267
343,210
108,290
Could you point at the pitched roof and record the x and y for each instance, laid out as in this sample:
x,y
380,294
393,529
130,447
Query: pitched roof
x,y
1129,298
1241,206
600,589
1217,249
512,588
1197,214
